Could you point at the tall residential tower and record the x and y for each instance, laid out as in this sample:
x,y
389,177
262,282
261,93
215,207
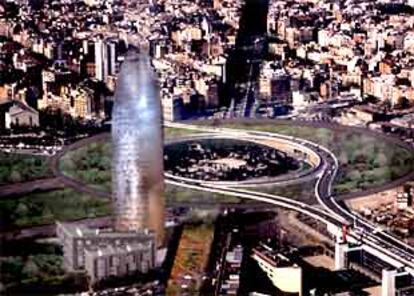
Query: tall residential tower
x,y
137,137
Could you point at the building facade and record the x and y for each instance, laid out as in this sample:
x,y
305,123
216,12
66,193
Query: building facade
x,y
274,85
117,261
83,247
284,274
137,137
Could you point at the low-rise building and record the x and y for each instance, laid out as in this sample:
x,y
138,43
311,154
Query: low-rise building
x,y
17,113
284,274
208,88
274,84
83,100
172,108
105,253
404,198
115,261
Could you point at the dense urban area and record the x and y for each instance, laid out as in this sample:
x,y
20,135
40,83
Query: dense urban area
x,y
284,137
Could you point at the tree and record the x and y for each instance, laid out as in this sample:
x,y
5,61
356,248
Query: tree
x,y
15,177
22,209
382,159
403,103
30,269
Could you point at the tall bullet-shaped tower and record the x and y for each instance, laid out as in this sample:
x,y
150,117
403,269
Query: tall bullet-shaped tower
x,y
137,138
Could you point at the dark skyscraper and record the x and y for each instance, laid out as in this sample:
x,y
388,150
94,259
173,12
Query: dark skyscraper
x,y
137,137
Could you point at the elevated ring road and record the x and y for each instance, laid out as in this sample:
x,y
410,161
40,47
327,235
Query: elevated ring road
x,y
376,241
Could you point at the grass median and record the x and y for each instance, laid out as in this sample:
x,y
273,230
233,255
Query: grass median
x,y
47,207
18,168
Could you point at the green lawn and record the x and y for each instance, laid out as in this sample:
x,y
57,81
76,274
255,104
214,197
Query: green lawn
x,y
91,163
47,207
29,267
21,268
16,168
364,160
172,132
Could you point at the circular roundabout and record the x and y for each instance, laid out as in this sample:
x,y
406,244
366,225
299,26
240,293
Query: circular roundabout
x,y
237,161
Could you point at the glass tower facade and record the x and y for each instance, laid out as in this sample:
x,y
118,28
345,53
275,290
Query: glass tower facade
x,y
137,139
